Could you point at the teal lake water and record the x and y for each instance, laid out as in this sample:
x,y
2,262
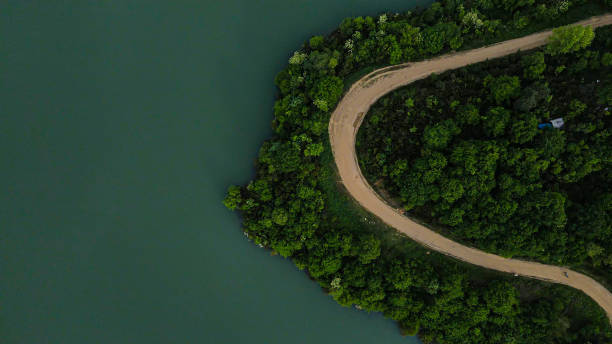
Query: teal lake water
x,y
121,125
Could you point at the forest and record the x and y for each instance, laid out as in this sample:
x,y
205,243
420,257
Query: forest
x,y
296,208
463,152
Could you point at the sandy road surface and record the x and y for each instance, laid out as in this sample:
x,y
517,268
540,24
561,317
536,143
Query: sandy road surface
x,y
347,118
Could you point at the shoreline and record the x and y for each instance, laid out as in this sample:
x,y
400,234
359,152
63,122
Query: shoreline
x,y
347,118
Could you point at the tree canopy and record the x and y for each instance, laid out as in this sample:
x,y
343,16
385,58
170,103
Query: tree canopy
x,y
295,208
567,39
483,169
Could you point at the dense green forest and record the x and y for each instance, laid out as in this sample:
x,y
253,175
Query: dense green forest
x,y
463,151
296,208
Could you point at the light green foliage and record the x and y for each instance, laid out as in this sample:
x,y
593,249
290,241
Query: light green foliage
x,y
468,114
314,149
261,188
500,167
335,283
297,58
400,275
280,157
502,298
531,96
327,92
316,42
321,104
521,22
431,101
503,88
510,5
280,216
452,190
524,128
393,49
439,135
321,63
233,198
606,59
474,175
433,40
471,20
559,69
594,250
369,250
552,144
496,121
567,39
437,36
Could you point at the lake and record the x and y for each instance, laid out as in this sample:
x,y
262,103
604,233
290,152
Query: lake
x,y
123,123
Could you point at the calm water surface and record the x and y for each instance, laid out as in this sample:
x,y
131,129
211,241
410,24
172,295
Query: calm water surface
x,y
121,125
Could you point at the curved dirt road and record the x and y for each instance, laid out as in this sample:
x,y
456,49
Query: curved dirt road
x,y
347,118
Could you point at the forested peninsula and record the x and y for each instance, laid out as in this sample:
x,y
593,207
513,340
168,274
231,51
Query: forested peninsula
x,y
473,149
296,208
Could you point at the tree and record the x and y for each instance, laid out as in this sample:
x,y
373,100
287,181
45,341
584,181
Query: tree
x,y
437,36
496,121
533,65
400,275
439,135
280,216
233,198
369,249
473,168
433,41
327,92
261,188
282,157
503,87
318,63
392,49
606,59
501,297
298,58
511,5
452,190
552,144
568,39
524,128
316,42
314,149
468,114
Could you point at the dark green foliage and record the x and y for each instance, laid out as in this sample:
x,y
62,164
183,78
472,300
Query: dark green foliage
x,y
503,88
523,128
534,65
233,198
502,298
436,37
496,121
509,5
295,207
606,59
316,42
491,177
327,92
440,134
531,96
280,157
468,114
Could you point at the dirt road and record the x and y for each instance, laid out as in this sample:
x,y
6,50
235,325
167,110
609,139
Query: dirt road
x,y
347,118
